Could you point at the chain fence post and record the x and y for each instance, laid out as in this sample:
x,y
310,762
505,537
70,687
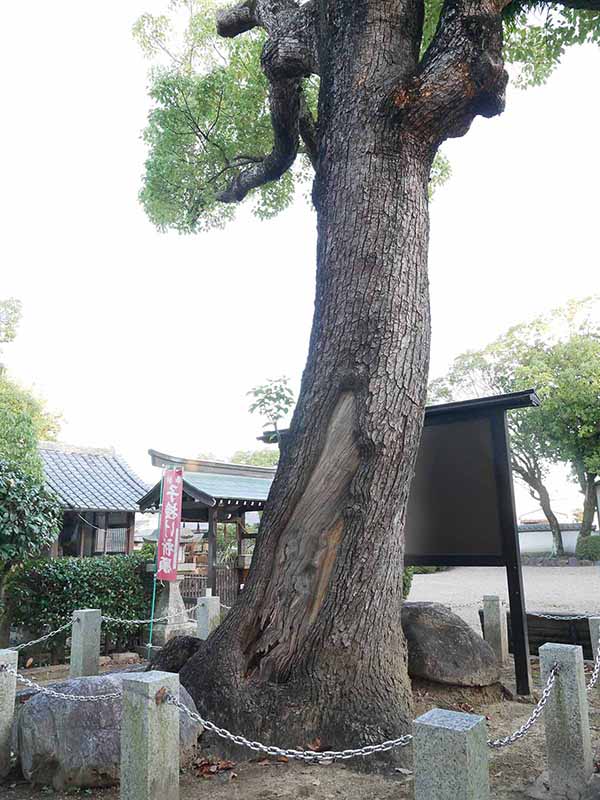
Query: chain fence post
x,y
149,737
208,615
8,688
451,756
85,642
566,719
594,623
495,628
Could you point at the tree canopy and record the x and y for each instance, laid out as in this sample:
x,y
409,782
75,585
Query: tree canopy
x,y
210,122
559,355
24,421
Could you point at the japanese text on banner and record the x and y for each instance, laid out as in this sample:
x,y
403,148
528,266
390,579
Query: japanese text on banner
x,y
170,525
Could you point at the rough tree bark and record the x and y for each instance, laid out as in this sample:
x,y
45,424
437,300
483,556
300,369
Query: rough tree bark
x,y
313,650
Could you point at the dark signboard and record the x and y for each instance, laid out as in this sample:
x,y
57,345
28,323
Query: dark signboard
x,y
461,510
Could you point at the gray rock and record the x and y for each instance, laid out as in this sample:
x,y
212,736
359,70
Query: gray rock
x,y
444,649
64,743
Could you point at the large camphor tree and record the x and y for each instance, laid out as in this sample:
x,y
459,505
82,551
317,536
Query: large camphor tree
x,y
362,92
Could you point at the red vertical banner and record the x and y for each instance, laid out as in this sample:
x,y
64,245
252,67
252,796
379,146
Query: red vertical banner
x,y
170,524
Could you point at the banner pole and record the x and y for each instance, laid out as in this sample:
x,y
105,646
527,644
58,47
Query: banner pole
x,y
162,478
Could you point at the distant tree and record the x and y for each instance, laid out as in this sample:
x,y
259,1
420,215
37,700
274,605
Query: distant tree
x,y
559,355
24,421
273,400
10,316
257,458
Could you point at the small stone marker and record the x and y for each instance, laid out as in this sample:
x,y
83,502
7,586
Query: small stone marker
x,y
149,738
594,623
208,615
8,687
85,642
451,756
566,719
494,623
171,604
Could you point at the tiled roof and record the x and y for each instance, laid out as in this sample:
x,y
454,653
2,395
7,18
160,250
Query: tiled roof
x,y
230,487
92,479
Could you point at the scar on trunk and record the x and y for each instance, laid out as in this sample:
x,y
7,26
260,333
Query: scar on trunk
x,y
307,548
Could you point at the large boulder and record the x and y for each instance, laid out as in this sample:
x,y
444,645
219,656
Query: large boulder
x,y
444,649
63,743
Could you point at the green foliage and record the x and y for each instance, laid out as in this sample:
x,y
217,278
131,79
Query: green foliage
x,y
407,577
210,113
210,119
43,593
257,458
273,400
23,422
536,35
30,516
559,355
588,548
148,551
10,316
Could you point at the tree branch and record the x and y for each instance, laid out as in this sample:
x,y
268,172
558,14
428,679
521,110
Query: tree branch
x,y
284,99
289,54
238,19
460,76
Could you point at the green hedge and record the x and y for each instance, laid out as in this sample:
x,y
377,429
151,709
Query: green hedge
x,y
588,547
43,593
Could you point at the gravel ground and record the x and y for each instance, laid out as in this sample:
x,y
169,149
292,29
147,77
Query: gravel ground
x,y
574,589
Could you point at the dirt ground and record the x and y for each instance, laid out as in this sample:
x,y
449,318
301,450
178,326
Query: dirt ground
x,y
511,769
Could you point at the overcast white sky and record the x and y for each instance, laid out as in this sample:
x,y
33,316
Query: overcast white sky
x,y
121,321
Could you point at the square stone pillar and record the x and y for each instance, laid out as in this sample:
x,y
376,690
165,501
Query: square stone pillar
x,y
85,642
566,719
208,616
495,627
451,756
8,687
149,738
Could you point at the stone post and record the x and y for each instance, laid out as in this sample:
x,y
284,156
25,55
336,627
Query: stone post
x,y
566,719
149,738
8,688
85,642
494,624
451,758
594,623
170,604
208,615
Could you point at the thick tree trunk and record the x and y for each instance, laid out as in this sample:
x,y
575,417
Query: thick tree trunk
x,y
313,650
559,549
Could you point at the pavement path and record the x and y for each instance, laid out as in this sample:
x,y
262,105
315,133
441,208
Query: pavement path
x,y
564,589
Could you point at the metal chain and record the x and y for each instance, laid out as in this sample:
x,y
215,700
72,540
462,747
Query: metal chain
x,y
300,755
42,638
83,698
166,618
537,711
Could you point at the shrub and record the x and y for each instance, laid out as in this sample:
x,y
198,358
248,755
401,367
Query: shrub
x,y
588,547
407,577
43,593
